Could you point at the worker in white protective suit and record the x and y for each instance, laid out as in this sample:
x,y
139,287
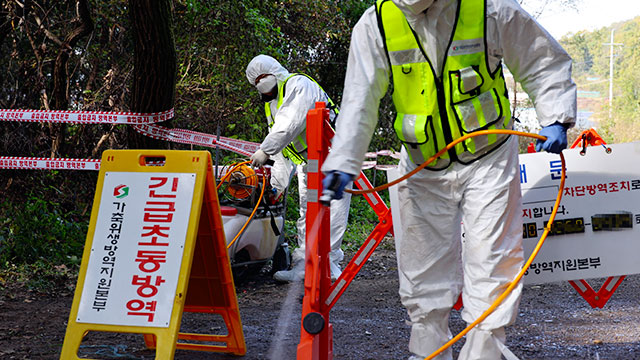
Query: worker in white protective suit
x,y
288,97
445,60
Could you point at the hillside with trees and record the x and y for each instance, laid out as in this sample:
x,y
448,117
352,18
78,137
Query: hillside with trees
x,y
617,121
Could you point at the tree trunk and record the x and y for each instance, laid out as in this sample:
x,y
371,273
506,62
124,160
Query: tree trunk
x,y
60,96
154,73
5,21
5,30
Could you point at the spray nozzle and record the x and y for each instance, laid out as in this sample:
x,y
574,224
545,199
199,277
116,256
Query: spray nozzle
x,y
329,192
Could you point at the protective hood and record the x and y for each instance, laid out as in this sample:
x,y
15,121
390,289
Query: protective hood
x,y
413,7
264,64
266,84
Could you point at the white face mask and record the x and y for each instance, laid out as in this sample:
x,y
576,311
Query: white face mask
x,y
266,84
414,6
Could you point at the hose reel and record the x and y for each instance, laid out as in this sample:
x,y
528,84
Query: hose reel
x,y
241,184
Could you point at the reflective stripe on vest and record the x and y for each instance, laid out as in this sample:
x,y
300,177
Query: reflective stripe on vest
x,y
433,110
295,150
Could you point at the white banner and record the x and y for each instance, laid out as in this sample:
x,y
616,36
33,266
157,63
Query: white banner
x,y
596,232
597,229
137,249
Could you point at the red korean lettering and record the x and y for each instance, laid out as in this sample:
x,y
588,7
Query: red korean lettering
x,y
164,218
150,260
146,286
136,305
155,230
168,206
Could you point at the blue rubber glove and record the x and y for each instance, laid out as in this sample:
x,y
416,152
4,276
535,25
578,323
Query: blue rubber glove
x,y
334,184
273,196
556,134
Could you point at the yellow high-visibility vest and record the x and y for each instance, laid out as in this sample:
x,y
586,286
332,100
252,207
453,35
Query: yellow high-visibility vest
x,y
433,109
295,150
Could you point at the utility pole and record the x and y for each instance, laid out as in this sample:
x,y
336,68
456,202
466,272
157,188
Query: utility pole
x,y
612,44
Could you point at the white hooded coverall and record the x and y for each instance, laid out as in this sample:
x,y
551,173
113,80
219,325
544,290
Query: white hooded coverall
x,y
434,265
290,120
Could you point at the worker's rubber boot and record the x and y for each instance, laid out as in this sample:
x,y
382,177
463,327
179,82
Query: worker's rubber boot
x,y
295,274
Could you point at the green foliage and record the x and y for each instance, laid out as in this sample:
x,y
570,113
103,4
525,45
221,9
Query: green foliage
x,y
292,214
37,231
215,42
591,72
41,277
362,220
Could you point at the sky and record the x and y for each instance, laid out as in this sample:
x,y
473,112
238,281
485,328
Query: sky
x,y
592,14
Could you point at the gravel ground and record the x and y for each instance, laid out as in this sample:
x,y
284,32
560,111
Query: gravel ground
x,y
368,322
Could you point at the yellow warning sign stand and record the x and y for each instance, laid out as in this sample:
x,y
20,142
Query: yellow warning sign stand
x,y
155,248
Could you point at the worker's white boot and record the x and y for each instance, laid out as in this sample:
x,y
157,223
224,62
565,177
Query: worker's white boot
x,y
418,357
295,274
334,266
484,345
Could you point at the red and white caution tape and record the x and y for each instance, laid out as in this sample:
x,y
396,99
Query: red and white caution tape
x,y
144,123
36,163
84,117
390,153
370,164
14,162
241,147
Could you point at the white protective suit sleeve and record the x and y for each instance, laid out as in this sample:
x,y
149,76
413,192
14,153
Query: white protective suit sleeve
x,y
280,172
290,120
534,57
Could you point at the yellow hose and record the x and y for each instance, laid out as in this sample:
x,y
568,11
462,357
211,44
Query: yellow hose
x,y
250,216
515,282
254,209
229,173
439,153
